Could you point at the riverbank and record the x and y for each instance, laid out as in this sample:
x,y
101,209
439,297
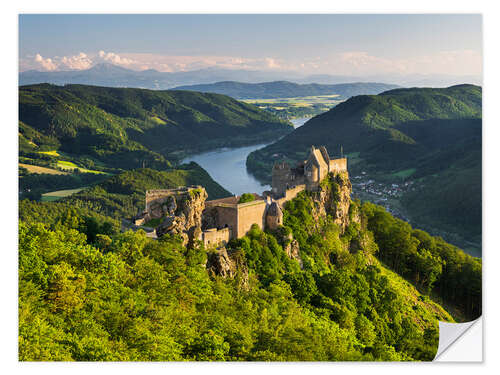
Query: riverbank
x,y
227,165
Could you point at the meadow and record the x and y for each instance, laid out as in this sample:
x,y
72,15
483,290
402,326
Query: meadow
x,y
55,195
302,106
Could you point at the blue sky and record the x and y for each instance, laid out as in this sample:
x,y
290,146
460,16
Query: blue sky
x,y
335,44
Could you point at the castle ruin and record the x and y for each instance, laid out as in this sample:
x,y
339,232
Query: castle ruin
x,y
308,173
223,219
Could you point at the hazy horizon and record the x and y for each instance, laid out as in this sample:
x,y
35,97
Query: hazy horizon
x,y
358,45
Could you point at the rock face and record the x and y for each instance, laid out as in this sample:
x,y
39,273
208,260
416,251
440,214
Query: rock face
x,y
334,198
293,251
228,264
221,264
183,215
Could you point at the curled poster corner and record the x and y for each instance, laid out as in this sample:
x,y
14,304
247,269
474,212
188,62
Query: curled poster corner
x,y
460,342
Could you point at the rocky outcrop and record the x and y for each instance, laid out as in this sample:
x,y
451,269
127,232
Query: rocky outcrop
x,y
228,264
221,264
183,216
334,198
292,249
290,245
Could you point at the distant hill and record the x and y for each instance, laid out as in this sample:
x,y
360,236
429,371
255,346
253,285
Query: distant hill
x,y
123,195
285,89
110,75
122,128
436,132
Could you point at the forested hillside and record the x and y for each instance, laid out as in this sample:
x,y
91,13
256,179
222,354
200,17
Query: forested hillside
x,y
90,293
285,89
122,196
123,128
431,137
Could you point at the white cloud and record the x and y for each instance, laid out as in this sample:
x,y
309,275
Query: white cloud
x,y
113,58
46,64
357,63
77,62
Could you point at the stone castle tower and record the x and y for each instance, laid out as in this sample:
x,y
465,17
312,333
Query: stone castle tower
x,y
310,172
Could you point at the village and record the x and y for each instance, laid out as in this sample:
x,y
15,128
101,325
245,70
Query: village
x,y
364,187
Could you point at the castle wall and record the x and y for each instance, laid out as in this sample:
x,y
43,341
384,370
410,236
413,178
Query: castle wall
x,y
215,236
291,193
281,177
251,213
227,216
317,160
338,165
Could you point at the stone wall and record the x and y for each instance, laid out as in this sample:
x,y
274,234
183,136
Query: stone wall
x,y
227,216
338,165
281,177
290,194
250,213
216,236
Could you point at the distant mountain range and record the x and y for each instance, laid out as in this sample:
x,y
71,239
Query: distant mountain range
x,y
115,76
285,89
110,75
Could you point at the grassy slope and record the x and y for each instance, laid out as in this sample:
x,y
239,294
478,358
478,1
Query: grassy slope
x,y
40,170
426,308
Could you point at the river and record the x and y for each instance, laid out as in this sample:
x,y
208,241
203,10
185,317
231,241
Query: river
x,y
227,166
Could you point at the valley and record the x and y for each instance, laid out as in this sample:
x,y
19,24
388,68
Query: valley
x,y
299,107
428,138
320,237
246,187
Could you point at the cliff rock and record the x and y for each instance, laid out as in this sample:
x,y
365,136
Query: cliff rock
x,y
228,264
221,264
184,216
334,198
292,249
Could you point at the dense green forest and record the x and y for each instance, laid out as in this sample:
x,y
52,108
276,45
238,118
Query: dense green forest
x,y
434,134
125,127
122,196
90,293
285,89
33,185
310,290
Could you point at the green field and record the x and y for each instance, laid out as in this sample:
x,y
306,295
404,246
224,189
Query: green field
x,y
157,120
303,106
55,195
301,101
51,153
40,170
68,165
153,223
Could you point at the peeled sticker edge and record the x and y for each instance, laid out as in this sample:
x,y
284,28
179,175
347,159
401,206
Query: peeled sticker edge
x,y
449,333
